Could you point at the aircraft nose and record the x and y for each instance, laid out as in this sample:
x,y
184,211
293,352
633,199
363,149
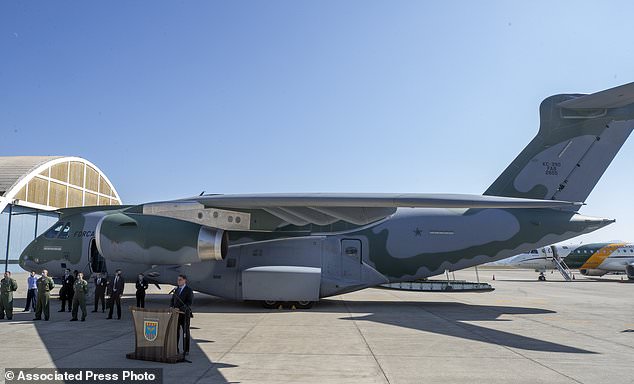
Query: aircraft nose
x,y
27,260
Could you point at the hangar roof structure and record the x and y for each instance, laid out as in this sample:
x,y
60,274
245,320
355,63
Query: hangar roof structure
x,y
53,182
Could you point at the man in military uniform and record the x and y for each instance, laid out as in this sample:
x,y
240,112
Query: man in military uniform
x,y
66,291
7,287
44,287
79,296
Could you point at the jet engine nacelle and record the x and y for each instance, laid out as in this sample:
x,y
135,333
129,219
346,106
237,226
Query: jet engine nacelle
x,y
592,272
148,239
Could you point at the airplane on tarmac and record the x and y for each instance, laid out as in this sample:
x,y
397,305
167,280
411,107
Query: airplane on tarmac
x,y
595,259
302,247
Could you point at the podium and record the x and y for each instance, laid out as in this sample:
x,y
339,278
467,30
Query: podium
x,y
155,335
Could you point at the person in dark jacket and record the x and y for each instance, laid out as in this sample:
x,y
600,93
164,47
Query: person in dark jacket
x,y
141,286
66,291
101,282
182,300
115,291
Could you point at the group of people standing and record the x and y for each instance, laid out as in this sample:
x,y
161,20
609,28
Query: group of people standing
x,y
74,290
38,295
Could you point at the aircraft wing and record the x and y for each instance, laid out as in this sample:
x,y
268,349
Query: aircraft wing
x,y
382,200
326,208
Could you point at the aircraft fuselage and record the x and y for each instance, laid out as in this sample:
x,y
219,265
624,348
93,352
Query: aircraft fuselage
x,y
410,244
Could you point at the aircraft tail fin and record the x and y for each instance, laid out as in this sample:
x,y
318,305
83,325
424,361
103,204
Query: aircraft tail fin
x,y
578,138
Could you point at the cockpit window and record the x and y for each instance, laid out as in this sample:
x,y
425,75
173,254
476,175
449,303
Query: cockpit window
x,y
534,251
59,229
64,233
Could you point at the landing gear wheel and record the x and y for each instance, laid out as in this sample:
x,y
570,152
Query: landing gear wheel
x,y
304,304
270,304
541,277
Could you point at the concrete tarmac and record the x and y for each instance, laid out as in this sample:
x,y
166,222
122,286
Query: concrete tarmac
x,y
524,332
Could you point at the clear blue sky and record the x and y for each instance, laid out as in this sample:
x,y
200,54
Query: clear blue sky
x,y
173,98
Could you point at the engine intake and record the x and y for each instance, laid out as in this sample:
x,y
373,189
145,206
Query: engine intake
x,y
592,272
149,239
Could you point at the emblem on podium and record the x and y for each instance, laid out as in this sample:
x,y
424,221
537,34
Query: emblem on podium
x,y
150,329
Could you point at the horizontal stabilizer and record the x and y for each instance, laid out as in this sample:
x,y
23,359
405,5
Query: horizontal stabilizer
x,y
616,97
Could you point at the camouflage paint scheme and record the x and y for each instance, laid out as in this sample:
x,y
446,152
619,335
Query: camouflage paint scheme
x,y
354,247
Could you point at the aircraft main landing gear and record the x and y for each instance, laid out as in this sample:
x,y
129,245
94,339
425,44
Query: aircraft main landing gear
x,y
303,304
541,277
271,304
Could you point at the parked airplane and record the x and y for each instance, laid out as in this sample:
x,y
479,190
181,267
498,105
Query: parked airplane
x,y
302,247
590,259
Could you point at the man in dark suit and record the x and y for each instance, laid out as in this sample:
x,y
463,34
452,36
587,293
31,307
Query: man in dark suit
x,y
141,286
101,282
182,300
115,290
66,291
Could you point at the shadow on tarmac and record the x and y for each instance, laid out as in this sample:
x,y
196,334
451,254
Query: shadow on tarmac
x,y
453,319
445,318
102,343
109,340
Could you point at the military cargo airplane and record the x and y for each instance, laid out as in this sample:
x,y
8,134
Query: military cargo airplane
x,y
595,259
302,247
